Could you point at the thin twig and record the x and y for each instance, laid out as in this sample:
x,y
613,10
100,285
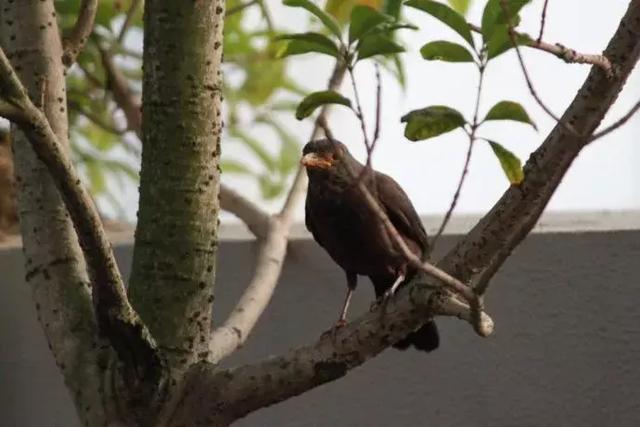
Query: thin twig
x,y
568,55
624,119
376,132
543,18
266,14
127,23
242,6
465,168
358,109
525,72
109,127
122,95
79,34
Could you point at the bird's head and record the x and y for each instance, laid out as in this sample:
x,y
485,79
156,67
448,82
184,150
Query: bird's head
x,y
325,156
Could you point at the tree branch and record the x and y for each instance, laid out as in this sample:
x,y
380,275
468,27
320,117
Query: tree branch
x,y
122,95
476,258
567,54
116,318
620,122
237,327
241,390
543,19
80,33
127,21
489,243
256,220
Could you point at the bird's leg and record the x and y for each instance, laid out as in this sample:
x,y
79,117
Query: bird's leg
x,y
392,290
388,293
352,282
345,307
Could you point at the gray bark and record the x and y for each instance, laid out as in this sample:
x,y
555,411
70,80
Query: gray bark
x,y
55,266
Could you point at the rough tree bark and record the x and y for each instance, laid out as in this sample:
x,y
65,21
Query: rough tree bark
x,y
55,267
111,365
174,255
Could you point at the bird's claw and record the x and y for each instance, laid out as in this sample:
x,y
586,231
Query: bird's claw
x,y
383,300
334,329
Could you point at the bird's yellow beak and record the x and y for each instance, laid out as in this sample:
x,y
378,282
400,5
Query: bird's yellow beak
x,y
314,161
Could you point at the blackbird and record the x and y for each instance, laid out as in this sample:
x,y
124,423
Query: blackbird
x,y
341,221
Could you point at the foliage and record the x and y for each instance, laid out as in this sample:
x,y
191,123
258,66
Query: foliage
x,y
371,29
259,92
431,121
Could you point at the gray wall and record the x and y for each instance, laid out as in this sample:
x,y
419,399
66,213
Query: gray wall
x,y
566,349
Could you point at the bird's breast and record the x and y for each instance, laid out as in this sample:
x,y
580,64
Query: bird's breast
x,y
350,232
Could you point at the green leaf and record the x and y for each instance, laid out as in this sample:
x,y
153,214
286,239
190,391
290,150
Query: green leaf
x,y
297,44
441,50
509,110
363,20
236,167
270,189
95,174
500,41
460,6
317,99
326,19
510,163
256,146
263,78
494,16
377,44
392,8
431,121
446,15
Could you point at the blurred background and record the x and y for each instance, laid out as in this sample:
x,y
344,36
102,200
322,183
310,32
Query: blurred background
x,y
263,139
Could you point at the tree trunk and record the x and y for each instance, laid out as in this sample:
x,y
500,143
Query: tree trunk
x,y
174,255
8,208
55,266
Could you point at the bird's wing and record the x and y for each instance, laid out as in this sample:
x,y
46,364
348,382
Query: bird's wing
x,y
308,221
401,212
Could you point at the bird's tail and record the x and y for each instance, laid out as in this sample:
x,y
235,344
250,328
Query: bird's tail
x,y
425,338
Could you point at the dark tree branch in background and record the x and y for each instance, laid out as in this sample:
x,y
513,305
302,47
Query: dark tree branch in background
x,y
543,19
94,118
80,33
122,95
127,21
116,318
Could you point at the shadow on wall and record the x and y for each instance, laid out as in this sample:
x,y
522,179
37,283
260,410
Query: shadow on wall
x,y
565,351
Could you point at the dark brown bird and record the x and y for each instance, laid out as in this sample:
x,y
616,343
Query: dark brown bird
x,y
341,221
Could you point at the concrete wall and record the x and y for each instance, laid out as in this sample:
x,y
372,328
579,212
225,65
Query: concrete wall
x,y
566,350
